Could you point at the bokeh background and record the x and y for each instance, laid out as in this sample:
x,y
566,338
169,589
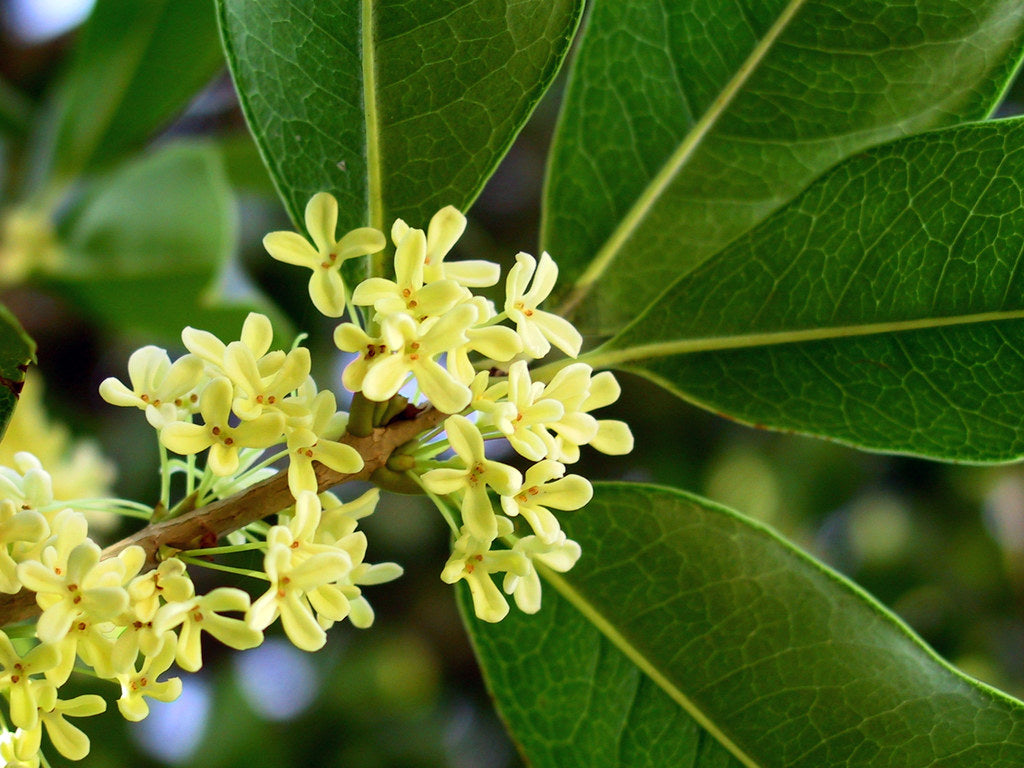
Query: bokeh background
x,y
942,545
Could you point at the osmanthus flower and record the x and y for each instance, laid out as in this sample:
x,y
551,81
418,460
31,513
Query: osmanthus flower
x,y
255,389
257,335
203,614
613,436
16,679
407,292
580,393
20,748
538,329
27,484
524,421
68,529
349,337
546,487
66,738
414,348
158,386
445,228
216,432
90,640
139,684
169,582
338,519
19,528
315,441
473,559
560,556
296,566
86,587
480,473
326,255
291,579
494,342
343,598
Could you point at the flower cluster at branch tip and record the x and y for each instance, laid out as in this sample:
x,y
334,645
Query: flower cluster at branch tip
x,y
226,414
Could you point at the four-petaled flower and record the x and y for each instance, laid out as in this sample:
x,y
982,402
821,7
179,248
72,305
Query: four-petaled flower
x,y
479,474
326,255
538,328
217,433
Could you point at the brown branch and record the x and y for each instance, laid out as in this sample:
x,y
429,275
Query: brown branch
x,y
199,527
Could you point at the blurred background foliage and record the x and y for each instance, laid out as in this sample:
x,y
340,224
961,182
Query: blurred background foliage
x,y
132,202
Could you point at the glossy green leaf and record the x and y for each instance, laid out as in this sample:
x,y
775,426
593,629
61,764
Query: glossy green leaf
x,y
397,108
686,123
135,66
149,247
883,308
781,661
17,350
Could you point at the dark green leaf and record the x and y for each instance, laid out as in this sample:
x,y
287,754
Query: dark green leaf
x,y
15,110
17,350
149,247
396,108
686,123
781,660
135,66
883,308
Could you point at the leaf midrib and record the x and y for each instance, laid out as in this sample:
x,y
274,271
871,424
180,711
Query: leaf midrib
x,y
606,628
686,149
374,199
608,355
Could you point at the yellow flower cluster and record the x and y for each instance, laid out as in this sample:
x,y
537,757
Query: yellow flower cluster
x,y
427,332
226,413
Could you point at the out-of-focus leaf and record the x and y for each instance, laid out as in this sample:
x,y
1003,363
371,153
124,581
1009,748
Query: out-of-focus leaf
x,y
883,308
244,166
396,108
686,123
15,110
17,350
149,247
685,623
135,66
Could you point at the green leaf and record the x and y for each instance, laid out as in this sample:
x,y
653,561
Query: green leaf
x,y
15,110
778,659
396,108
686,123
134,67
148,249
244,166
17,351
883,308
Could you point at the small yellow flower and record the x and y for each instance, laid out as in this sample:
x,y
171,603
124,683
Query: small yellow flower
x,y
216,432
326,255
202,614
473,481
538,329
547,486
474,561
138,685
